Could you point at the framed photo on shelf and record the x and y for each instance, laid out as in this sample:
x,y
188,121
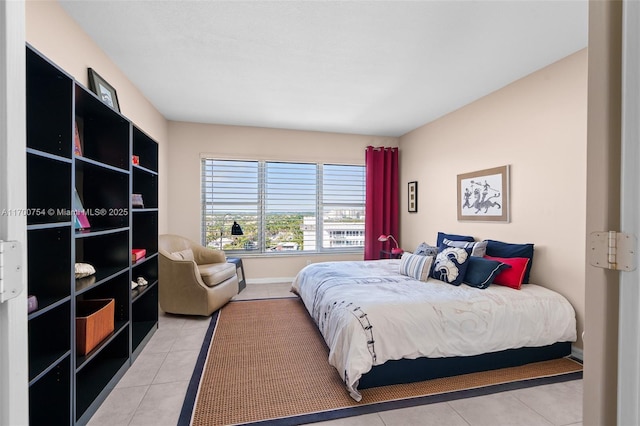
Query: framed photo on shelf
x,y
484,195
104,90
412,197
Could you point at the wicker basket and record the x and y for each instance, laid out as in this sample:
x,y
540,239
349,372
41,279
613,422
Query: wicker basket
x,y
94,322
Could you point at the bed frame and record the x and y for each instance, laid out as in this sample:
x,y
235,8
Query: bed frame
x,y
416,370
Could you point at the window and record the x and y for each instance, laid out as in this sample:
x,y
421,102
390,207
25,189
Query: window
x,y
342,206
277,205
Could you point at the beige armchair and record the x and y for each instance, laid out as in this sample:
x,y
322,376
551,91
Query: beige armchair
x,y
193,280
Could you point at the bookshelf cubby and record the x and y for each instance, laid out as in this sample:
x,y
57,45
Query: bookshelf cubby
x,y
65,387
144,235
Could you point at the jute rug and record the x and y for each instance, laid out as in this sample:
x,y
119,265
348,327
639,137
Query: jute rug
x,y
267,362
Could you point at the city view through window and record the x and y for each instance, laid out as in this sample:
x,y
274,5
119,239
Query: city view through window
x,y
290,196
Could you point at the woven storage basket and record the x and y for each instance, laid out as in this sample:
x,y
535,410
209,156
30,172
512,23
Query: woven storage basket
x,y
94,322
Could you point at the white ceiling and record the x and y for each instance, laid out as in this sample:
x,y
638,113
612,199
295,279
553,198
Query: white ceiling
x,y
367,67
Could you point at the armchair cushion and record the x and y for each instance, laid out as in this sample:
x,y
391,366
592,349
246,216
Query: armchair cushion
x,y
214,273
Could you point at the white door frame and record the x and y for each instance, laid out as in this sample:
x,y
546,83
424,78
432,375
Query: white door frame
x,y
629,319
14,391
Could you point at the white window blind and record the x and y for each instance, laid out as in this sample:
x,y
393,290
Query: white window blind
x,y
230,191
343,206
277,205
290,196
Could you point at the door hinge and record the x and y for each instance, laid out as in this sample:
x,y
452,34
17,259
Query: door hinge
x,y
613,250
10,270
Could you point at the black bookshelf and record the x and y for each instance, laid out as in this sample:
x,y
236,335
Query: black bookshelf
x,y
65,387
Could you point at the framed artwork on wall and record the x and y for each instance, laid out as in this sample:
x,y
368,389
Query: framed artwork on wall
x,y
484,195
104,90
412,197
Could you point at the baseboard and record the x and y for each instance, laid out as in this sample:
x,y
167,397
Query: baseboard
x,y
577,353
276,280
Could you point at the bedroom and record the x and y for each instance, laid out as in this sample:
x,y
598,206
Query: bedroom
x,y
481,129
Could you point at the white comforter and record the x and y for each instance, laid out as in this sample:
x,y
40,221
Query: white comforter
x,y
368,314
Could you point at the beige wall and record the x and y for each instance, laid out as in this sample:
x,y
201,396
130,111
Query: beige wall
x,y
57,36
538,127
190,140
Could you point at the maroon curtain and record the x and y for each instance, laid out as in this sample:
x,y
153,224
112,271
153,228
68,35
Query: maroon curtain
x,y
382,199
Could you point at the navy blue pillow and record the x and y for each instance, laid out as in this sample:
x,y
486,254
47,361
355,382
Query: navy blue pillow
x,y
450,264
481,272
452,237
501,249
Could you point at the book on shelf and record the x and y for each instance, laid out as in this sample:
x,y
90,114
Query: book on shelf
x,y
137,254
77,147
81,220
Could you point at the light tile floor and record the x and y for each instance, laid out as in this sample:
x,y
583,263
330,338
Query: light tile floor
x,y
153,389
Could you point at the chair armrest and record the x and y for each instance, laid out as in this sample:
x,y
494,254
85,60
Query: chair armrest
x,y
182,271
181,289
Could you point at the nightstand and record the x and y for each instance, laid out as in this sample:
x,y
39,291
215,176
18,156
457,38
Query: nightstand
x,y
242,283
384,254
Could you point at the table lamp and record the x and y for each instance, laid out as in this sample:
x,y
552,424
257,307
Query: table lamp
x,y
396,250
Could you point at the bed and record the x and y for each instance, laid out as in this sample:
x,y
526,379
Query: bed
x,y
375,321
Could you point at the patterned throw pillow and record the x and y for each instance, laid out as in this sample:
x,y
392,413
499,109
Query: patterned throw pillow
x,y
478,249
425,249
481,272
453,237
450,264
416,266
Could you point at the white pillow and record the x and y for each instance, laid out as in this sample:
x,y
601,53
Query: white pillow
x,y
416,266
186,254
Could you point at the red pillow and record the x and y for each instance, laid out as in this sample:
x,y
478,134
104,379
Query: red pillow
x,y
511,277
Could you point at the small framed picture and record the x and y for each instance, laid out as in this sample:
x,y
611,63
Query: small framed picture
x,y
104,90
484,195
413,197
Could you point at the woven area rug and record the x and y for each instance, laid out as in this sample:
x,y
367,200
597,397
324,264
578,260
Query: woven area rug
x,y
264,361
